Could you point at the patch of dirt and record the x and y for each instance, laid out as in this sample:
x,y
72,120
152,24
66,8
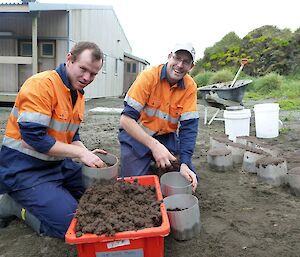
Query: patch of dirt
x,y
116,207
240,216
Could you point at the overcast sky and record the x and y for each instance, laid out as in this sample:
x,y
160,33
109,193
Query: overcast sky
x,y
152,27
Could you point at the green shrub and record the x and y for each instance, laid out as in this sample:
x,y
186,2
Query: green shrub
x,y
197,68
268,83
291,88
289,104
202,79
288,92
253,95
221,76
295,75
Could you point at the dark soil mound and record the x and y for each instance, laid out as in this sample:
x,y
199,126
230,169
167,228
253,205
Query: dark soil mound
x,y
121,206
175,166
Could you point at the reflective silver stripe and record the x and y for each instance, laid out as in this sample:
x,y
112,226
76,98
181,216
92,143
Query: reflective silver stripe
x,y
15,112
161,115
63,126
17,145
73,127
148,131
133,103
34,117
47,121
189,115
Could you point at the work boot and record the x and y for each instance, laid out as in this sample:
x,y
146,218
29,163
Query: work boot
x,y
4,222
9,209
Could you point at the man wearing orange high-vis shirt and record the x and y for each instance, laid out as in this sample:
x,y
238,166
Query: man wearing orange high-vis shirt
x,y
160,118
39,181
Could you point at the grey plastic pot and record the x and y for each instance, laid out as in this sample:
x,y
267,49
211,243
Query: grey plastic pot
x,y
91,175
184,215
174,183
294,180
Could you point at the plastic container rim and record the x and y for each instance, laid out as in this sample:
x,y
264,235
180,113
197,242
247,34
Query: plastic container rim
x,y
239,114
163,230
266,107
109,167
176,187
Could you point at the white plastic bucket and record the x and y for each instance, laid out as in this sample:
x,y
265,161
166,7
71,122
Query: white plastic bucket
x,y
266,120
237,123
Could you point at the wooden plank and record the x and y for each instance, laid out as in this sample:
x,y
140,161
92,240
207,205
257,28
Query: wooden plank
x,y
8,97
15,60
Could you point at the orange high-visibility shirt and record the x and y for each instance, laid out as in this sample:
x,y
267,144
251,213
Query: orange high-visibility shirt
x,y
45,100
162,106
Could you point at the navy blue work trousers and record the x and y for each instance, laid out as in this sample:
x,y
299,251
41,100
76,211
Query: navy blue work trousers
x,y
54,203
134,164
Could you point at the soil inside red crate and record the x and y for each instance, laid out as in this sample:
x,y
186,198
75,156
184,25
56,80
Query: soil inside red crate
x,y
107,208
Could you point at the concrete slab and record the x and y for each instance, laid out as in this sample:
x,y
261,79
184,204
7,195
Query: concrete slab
x,y
105,110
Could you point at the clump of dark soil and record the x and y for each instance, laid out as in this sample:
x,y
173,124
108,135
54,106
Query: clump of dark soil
x,y
116,207
175,166
270,160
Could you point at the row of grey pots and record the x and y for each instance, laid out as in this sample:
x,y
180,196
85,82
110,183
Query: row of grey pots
x,y
253,158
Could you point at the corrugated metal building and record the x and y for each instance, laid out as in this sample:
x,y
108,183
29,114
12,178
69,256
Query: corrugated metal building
x,y
36,36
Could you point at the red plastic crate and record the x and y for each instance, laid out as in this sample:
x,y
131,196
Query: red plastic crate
x,y
148,242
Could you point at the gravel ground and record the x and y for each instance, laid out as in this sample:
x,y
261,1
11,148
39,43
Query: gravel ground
x,y
239,215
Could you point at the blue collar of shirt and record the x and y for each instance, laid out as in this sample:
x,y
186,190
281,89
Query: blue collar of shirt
x,y
61,70
163,75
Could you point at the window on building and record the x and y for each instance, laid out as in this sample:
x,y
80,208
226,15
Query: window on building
x,y
128,67
26,48
134,68
47,49
104,63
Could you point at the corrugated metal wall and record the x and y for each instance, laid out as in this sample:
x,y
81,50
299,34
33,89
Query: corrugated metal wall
x,y
52,25
102,27
61,51
19,24
8,72
98,25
